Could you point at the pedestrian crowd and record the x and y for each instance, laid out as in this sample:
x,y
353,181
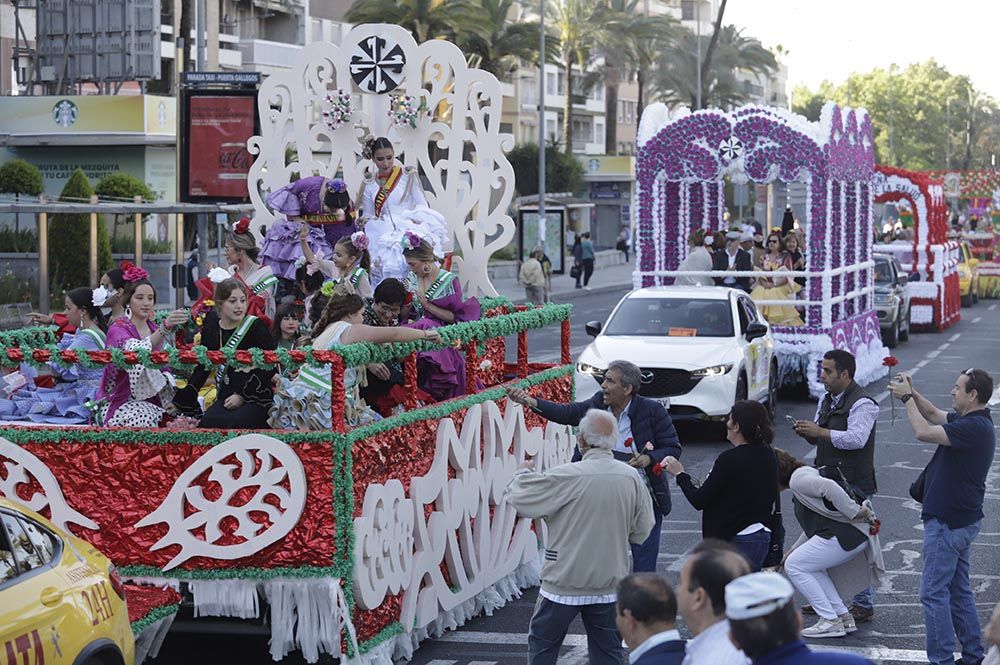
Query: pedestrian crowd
x,y
737,588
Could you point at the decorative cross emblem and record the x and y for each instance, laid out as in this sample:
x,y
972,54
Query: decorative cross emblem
x,y
730,149
377,65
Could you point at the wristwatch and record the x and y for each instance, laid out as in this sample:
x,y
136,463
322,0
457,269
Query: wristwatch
x,y
906,398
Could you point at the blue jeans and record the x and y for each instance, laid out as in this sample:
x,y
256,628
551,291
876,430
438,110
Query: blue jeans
x,y
865,599
754,546
946,594
644,555
551,620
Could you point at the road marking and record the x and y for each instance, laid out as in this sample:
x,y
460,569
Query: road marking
x,y
481,637
954,337
977,319
438,661
992,307
878,654
933,354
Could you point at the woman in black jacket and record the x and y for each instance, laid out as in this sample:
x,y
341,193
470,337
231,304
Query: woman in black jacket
x,y
739,493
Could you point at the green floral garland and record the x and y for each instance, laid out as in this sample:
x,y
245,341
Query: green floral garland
x,y
161,612
33,336
134,571
354,355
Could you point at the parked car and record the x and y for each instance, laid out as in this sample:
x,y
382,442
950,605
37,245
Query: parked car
x,y
892,304
968,275
61,601
700,349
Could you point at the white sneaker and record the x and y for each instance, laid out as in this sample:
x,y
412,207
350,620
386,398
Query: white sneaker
x,y
825,628
849,624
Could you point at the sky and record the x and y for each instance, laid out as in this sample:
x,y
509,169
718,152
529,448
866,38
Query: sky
x,y
827,40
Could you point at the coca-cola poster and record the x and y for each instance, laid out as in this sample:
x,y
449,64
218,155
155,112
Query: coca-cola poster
x,y
218,160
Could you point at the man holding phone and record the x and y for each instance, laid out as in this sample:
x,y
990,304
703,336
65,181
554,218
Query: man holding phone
x,y
844,436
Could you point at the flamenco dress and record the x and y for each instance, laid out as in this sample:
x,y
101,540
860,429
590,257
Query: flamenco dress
x,y
134,397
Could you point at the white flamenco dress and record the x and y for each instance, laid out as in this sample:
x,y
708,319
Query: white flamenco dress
x,y
404,208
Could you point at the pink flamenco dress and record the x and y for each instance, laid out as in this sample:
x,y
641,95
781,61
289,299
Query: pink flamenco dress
x,y
135,396
441,373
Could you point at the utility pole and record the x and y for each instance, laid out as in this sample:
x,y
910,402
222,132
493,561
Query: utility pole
x,y
697,60
541,124
892,150
947,125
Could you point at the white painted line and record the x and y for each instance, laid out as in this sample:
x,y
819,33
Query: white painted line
x,y
992,307
933,354
977,319
954,337
439,661
879,654
481,637
944,346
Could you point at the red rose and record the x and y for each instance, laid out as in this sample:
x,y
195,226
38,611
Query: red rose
x,y
244,357
15,354
102,357
297,355
271,357
125,265
160,357
890,361
628,442
68,356
242,226
657,469
41,355
188,357
216,357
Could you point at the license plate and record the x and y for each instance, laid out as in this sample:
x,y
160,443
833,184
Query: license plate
x,y
665,401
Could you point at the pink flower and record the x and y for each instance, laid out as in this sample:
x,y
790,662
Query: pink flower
x,y
134,274
359,240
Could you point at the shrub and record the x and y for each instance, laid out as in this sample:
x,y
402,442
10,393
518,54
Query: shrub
x,y
563,173
69,238
20,177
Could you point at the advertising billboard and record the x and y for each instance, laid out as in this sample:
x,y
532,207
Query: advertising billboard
x,y
216,160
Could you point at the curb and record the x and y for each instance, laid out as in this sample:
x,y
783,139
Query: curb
x,y
576,294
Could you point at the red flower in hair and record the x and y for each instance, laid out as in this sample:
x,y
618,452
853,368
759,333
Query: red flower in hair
x,y
125,265
408,299
242,226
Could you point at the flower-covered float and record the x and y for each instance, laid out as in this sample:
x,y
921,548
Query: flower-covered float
x,y
935,297
361,542
682,163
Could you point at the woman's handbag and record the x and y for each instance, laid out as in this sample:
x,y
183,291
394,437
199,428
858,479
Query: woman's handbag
x,y
575,272
776,549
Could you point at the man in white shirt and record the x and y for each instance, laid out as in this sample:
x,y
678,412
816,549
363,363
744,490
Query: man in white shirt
x,y
701,599
646,615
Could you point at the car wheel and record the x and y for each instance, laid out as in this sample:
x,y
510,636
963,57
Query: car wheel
x,y
904,330
772,391
741,388
891,336
967,299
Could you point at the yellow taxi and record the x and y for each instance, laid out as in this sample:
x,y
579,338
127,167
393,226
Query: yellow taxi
x,y
968,275
61,601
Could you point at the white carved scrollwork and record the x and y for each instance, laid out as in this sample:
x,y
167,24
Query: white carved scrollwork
x,y
472,529
20,465
469,178
262,462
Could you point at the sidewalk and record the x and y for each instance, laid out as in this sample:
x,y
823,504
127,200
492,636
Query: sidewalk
x,y
610,278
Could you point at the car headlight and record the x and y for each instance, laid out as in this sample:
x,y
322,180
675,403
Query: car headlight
x,y
883,298
584,368
714,370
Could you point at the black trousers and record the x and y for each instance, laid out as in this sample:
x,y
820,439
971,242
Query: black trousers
x,y
588,270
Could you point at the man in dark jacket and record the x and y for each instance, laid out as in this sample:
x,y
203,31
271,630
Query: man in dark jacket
x,y
733,257
646,435
646,615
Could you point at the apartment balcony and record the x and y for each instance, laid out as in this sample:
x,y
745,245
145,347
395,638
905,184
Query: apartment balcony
x,y
268,57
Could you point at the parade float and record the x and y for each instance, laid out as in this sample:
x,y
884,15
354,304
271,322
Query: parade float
x,y
683,161
935,296
354,543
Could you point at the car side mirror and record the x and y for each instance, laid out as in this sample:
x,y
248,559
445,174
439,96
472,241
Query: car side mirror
x,y
913,277
755,331
593,328
902,279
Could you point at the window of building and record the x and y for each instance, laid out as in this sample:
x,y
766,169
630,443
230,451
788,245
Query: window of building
x,y
550,83
317,30
621,110
598,132
687,10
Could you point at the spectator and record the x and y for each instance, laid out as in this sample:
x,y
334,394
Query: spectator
x,y
953,494
739,493
587,258
699,259
593,508
733,257
624,240
647,620
764,623
993,636
776,288
645,436
547,270
577,251
844,436
701,600
532,277
825,561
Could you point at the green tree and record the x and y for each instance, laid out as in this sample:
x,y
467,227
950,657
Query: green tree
x,y
505,41
563,173
676,79
426,19
19,177
69,238
122,187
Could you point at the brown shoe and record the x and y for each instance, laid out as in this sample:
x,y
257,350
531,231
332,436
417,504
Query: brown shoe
x,y
808,609
862,614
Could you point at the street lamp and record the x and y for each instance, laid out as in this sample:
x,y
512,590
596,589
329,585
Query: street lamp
x,y
541,123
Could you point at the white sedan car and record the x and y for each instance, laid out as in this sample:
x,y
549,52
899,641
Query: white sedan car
x,y
700,349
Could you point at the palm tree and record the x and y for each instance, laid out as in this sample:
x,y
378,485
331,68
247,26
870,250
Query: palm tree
x,y
426,19
505,41
579,27
675,80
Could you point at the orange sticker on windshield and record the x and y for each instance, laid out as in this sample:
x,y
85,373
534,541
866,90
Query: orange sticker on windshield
x,y
683,332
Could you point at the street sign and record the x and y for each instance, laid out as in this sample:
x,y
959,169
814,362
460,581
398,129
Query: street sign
x,y
221,78
741,194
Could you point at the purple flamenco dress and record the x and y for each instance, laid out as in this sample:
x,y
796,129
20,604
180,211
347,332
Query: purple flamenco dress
x,y
441,373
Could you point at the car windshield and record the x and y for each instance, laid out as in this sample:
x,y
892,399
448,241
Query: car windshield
x,y
883,273
672,317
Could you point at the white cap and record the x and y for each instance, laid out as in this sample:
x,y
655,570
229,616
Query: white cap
x,y
734,235
756,595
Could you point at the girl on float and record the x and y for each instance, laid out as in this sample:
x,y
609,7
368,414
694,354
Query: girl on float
x,y
303,403
112,282
437,301
350,263
242,253
287,324
777,288
293,204
135,397
244,395
392,202
71,387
